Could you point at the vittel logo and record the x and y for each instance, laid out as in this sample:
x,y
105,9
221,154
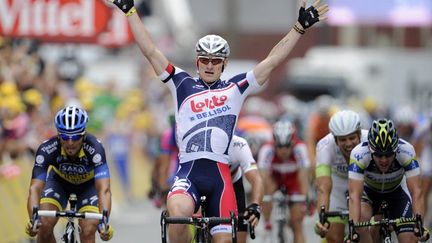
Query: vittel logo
x,y
213,102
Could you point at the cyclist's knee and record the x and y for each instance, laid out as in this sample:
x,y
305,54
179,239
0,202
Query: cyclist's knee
x,y
222,238
179,233
180,205
47,225
407,237
88,227
332,238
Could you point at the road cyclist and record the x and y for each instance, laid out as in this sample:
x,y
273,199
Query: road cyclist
x,y
331,171
72,162
285,163
206,112
385,168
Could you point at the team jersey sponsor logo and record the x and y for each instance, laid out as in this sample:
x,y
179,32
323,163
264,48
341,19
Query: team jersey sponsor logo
x,y
40,159
97,158
89,148
359,157
213,102
49,148
239,144
342,168
212,113
72,169
181,184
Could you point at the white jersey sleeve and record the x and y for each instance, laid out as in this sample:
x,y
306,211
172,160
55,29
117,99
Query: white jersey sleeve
x,y
301,155
265,156
240,157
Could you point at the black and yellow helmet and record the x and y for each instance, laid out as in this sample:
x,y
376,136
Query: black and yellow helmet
x,y
382,137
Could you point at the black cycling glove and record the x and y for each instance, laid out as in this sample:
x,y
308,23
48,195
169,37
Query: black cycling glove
x,y
127,6
254,209
308,17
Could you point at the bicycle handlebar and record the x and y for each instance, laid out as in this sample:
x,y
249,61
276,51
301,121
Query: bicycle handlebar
x,y
385,221
323,215
197,220
284,198
69,214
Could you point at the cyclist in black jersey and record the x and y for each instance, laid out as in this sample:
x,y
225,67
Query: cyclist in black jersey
x,y
206,112
73,161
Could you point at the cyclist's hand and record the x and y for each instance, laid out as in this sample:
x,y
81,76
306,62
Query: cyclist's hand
x,y
127,6
355,238
424,237
308,17
253,211
30,230
321,229
106,232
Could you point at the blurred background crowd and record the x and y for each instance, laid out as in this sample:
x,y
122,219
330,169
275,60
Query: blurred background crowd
x,y
360,60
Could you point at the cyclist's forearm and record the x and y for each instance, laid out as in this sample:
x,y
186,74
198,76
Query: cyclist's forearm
x,y
257,184
103,189
416,195
146,44
35,191
304,180
324,186
355,192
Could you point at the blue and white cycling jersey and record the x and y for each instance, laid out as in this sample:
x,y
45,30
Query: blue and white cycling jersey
x,y
206,114
363,167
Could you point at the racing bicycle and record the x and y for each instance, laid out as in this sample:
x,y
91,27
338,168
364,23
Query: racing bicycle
x,y
71,231
281,200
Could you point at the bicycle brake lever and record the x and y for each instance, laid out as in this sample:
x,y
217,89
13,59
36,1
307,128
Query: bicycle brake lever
x,y
35,218
419,225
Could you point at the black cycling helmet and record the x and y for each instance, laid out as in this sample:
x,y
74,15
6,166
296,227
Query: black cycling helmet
x,y
382,137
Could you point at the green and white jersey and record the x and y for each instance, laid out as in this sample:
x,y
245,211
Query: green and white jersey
x,y
331,162
329,158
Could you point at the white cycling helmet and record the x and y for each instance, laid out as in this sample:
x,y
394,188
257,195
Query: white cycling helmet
x,y
212,45
283,133
344,122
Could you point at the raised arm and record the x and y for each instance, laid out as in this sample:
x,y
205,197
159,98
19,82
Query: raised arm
x,y
307,17
142,36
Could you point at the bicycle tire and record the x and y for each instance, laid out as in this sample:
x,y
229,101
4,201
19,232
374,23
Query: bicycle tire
x,y
281,233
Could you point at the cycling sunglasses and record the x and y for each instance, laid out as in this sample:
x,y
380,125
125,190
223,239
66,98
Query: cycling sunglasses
x,y
75,137
387,155
214,60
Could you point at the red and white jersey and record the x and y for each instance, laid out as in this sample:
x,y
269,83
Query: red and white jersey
x,y
267,158
206,114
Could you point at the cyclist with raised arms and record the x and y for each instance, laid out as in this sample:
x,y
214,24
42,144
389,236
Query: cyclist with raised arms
x,y
285,164
331,171
242,164
206,112
78,165
385,168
